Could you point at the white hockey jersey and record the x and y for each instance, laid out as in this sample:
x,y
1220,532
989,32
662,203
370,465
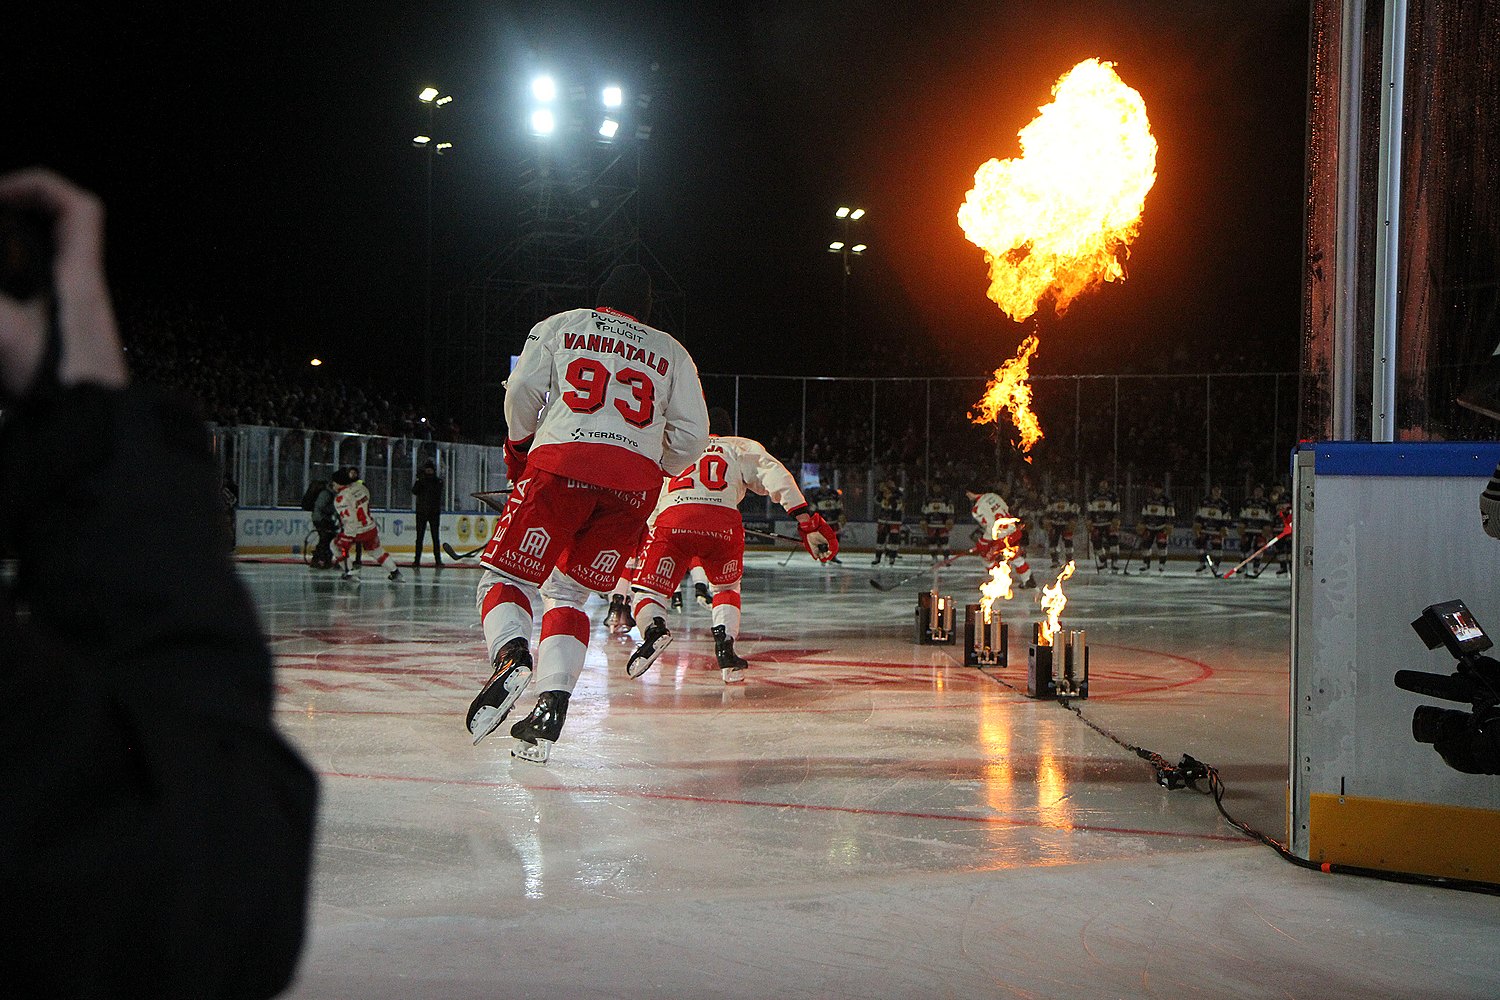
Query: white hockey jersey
x,y
727,469
607,400
988,509
352,503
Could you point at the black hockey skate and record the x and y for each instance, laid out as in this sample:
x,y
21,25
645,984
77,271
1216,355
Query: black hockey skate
x,y
731,664
536,733
394,575
494,701
619,618
677,600
654,641
702,596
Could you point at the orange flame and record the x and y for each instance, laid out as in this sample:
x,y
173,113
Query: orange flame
x,y
1053,602
998,586
1059,219
1009,390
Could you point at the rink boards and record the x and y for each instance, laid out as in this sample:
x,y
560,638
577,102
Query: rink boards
x,y
1382,531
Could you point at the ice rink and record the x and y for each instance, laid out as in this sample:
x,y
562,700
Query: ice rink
x,y
865,817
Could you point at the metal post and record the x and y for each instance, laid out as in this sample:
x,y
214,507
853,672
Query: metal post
x,y
870,476
1208,432
927,449
1388,233
1115,479
736,405
427,283
1346,263
1275,423
1077,431
802,450
275,470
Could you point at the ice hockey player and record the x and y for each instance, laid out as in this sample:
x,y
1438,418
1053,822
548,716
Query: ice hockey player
x,y
989,510
1281,507
351,501
1060,517
1210,524
697,519
890,517
599,407
1155,529
1255,526
699,576
1104,526
937,522
828,500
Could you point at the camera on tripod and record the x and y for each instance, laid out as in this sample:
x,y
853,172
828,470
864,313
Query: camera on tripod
x,y
1467,741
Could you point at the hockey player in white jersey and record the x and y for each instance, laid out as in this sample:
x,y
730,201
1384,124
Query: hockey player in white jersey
x,y
351,501
1001,533
600,406
697,520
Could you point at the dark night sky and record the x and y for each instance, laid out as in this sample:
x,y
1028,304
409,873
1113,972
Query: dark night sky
x,y
256,160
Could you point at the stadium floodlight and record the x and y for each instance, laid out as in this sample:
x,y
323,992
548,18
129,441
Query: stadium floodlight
x,y
316,362
543,121
613,96
420,140
609,128
442,148
445,99
857,214
835,246
858,248
842,213
428,95
544,89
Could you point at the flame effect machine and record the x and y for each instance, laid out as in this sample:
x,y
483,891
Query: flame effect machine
x,y
1059,668
985,638
934,618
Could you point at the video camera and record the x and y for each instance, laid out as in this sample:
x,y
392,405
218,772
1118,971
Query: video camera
x,y
1467,741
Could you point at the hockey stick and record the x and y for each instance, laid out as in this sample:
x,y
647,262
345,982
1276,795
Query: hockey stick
x,y
448,549
887,587
771,536
1285,532
493,499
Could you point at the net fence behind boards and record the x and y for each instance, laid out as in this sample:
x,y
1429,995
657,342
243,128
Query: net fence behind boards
x,y
1186,432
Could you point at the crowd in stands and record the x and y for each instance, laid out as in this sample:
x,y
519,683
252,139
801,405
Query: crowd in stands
x,y
238,383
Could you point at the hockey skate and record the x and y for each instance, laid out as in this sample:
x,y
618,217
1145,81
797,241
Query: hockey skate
x,y
536,733
494,701
394,575
677,600
701,595
654,641
619,618
731,664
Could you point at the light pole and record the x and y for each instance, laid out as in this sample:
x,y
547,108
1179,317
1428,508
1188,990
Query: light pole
x,y
847,248
430,147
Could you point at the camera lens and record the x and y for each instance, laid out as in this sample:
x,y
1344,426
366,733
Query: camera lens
x,y
1430,724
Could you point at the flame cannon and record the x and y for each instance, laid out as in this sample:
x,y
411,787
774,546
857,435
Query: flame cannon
x,y
1057,662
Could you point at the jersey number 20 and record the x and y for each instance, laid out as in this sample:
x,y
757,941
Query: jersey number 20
x,y
590,384
711,470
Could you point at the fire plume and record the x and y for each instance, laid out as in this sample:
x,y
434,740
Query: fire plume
x,y
1059,219
998,587
1053,602
1009,390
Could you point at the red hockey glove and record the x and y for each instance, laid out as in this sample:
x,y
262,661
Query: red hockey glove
x,y
515,459
822,544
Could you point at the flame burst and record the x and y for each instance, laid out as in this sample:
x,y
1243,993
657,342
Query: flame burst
x,y
998,587
1059,220
1053,602
1009,390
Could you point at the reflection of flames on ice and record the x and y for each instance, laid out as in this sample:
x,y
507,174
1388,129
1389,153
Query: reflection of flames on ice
x,y
998,587
1053,602
1059,220
1009,390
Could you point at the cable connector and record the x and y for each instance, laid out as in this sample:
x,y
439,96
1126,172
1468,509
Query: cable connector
x,y
1184,774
